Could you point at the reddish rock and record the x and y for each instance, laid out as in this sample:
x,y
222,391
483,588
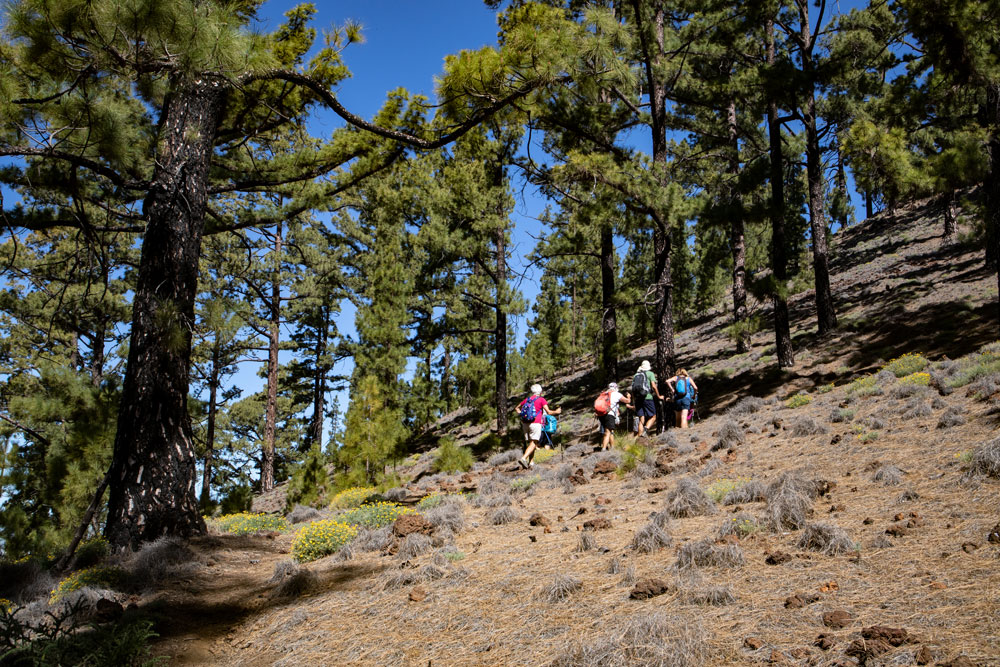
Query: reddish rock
x,y
597,524
601,500
107,610
824,642
605,468
656,487
466,478
923,656
938,586
418,594
578,478
753,643
800,652
864,649
895,636
823,486
648,588
837,619
777,558
411,523
538,519
777,658
994,536
800,600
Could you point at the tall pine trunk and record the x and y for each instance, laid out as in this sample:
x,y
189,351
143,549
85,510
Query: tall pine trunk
x,y
320,371
213,408
951,218
779,245
737,240
991,185
273,343
501,331
609,315
152,474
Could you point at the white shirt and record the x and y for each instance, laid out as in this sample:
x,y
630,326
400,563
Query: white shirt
x,y
615,397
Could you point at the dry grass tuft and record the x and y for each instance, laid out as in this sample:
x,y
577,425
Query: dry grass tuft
x,y
25,581
986,459
875,422
292,582
492,486
644,639
688,499
373,540
586,542
746,406
503,458
842,415
501,499
889,475
447,515
804,426
706,553
916,409
826,538
302,513
396,494
344,553
751,492
158,559
650,538
503,516
714,596
730,435
560,588
740,525
410,577
413,545
789,501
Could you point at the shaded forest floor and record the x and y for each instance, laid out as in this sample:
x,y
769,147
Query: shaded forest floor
x,y
890,532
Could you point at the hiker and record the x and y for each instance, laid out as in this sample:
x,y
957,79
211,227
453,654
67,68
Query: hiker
x,y
644,388
533,410
685,392
608,402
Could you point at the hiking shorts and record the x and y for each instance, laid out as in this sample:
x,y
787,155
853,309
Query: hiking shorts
x,y
647,409
609,422
532,431
683,403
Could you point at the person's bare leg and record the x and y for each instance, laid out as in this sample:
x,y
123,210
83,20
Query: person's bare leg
x,y
677,419
650,422
608,439
684,418
641,426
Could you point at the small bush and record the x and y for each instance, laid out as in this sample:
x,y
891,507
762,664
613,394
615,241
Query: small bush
x,y
746,406
246,523
985,459
321,538
714,596
826,538
448,516
805,426
292,581
687,499
502,516
352,497
561,588
542,455
741,525
95,577
917,408
864,386
950,419
751,491
706,553
302,513
975,366
413,545
452,458
789,502
396,494
493,500
824,388
374,515
503,458
889,475
868,436
985,386
916,379
730,435
644,639
372,540
91,552
841,415
634,456
524,483
157,559
798,400
908,364
650,538
587,542
721,488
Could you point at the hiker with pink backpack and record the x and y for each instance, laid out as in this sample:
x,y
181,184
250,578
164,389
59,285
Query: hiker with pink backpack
x,y
606,407
532,411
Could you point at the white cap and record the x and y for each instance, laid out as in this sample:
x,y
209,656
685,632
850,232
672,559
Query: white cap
x,y
536,389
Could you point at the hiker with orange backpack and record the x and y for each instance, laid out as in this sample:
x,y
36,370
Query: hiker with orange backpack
x,y
532,411
606,407
685,393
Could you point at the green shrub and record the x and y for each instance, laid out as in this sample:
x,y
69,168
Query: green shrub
x,y
971,368
868,436
6,606
308,482
524,483
864,386
352,497
909,363
634,454
245,523
491,442
452,458
745,526
542,455
375,515
321,538
454,556
720,489
97,577
824,388
798,400
435,499
239,498
91,552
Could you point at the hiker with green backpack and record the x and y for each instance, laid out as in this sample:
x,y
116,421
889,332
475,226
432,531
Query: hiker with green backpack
x,y
643,389
685,393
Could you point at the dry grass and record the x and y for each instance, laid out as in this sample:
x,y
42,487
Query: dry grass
x,y
373,540
803,426
504,457
650,538
751,492
502,516
713,596
449,515
413,545
986,459
560,588
688,499
747,405
951,419
302,513
730,435
707,553
587,542
825,538
888,475
789,501
657,639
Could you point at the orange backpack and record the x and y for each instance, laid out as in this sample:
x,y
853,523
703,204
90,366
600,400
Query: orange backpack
x,y
602,405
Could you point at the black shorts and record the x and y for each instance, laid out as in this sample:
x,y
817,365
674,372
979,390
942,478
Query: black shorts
x,y
608,422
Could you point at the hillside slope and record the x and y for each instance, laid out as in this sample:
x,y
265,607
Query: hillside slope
x,y
858,531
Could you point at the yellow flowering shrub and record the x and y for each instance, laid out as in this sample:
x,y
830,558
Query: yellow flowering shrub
x,y
921,379
375,515
245,523
98,577
321,538
352,497
863,386
909,363
720,489
542,455
798,400
6,605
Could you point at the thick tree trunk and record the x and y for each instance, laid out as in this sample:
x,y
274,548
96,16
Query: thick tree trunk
x,y
609,315
844,219
737,240
501,332
271,409
991,184
213,408
779,248
319,380
666,359
951,218
152,474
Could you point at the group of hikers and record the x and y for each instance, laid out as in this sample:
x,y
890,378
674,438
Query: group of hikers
x,y
538,419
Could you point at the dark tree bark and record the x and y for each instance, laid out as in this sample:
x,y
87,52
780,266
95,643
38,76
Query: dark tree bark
x,y
991,185
501,331
779,245
844,218
274,341
213,408
609,315
152,472
737,240
951,218
320,372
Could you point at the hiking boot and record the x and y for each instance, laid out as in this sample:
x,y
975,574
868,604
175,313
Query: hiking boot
x,y
522,463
